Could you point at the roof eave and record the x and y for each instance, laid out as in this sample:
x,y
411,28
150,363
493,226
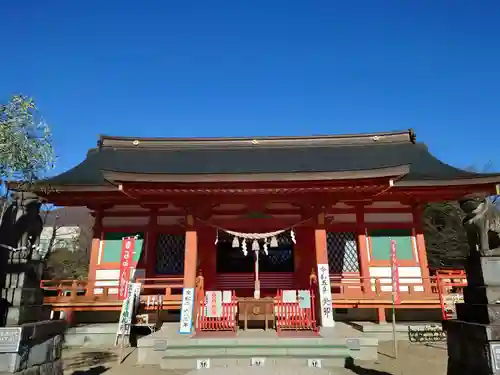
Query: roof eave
x,y
485,180
47,188
392,172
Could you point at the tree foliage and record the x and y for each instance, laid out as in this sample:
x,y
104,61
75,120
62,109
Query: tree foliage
x,y
70,262
65,264
25,140
445,237
68,253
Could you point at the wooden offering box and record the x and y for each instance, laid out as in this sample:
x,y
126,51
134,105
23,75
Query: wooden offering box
x,y
251,309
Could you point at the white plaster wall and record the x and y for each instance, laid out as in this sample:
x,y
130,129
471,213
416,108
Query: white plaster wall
x,y
408,275
388,217
110,278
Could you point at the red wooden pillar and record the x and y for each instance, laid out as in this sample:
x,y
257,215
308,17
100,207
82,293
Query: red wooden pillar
x,y
421,249
207,254
94,252
191,254
150,246
364,266
69,316
303,262
320,241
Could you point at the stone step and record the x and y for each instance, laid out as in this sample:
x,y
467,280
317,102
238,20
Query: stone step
x,y
173,350
258,350
188,363
240,352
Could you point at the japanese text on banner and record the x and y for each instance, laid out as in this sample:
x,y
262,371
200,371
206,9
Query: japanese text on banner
x,y
128,246
325,294
395,274
187,310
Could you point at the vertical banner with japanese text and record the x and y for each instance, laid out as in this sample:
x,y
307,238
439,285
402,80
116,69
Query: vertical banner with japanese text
x,y
129,308
395,274
128,246
213,303
325,296
187,307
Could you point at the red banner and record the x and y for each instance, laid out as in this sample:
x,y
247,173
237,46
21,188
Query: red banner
x,y
395,274
128,245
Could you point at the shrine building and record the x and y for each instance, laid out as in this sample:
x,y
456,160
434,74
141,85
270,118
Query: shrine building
x,y
192,202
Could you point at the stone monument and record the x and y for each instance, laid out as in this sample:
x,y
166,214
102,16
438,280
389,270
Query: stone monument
x,y
21,266
474,337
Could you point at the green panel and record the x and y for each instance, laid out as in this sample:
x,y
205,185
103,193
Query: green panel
x,y
113,246
381,244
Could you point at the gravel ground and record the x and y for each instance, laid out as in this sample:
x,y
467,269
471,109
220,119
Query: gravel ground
x,y
413,359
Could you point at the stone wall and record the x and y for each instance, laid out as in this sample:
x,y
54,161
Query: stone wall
x,y
39,350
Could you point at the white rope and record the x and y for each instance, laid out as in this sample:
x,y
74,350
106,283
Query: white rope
x,y
254,236
243,235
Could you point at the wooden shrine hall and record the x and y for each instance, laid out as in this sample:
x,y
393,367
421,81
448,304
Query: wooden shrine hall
x,y
330,200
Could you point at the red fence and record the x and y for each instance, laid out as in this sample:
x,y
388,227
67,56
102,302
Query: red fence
x,y
291,316
226,321
450,288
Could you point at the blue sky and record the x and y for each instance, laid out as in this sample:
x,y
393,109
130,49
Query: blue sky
x,y
255,67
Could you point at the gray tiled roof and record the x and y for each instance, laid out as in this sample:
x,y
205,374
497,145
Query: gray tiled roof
x,y
318,154
272,160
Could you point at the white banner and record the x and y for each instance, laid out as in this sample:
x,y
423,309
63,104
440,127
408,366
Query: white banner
x,y
186,324
325,296
213,304
129,306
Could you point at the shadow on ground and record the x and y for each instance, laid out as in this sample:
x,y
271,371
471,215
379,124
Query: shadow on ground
x,y
98,370
350,365
91,360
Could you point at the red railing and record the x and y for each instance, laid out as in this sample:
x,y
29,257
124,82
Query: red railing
x,y
450,286
88,291
291,316
348,291
226,321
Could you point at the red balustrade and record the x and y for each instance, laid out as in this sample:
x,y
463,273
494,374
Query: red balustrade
x,y
225,322
291,316
450,287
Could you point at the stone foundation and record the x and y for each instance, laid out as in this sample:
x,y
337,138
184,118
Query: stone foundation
x,y
39,351
474,337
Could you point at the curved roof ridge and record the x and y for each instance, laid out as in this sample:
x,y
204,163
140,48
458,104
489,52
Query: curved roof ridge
x,y
202,142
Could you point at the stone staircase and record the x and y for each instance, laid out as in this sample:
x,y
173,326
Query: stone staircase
x,y
259,348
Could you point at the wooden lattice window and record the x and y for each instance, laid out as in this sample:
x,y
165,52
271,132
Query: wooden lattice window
x,y
170,254
342,252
